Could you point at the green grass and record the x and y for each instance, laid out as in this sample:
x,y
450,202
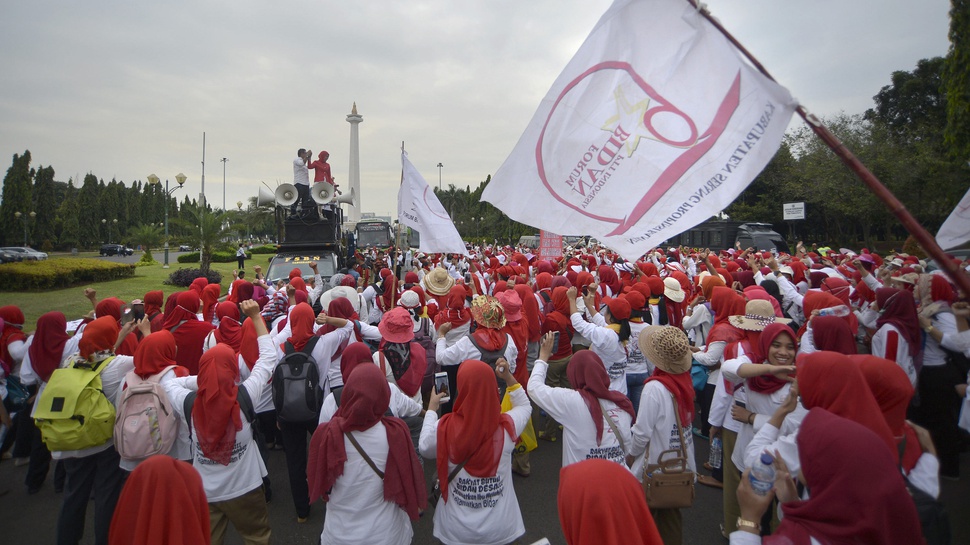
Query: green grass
x,y
74,305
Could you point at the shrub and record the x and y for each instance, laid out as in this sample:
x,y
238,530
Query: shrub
x,y
269,249
217,257
60,273
184,277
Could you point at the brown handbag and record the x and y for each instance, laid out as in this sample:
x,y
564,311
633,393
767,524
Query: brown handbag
x,y
669,484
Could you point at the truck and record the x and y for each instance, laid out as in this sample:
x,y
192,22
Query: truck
x,y
723,234
308,240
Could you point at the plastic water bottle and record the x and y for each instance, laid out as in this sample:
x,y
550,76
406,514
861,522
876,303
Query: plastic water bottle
x,y
838,311
716,449
762,474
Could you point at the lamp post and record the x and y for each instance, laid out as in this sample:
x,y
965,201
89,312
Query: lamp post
x,y
104,222
153,180
239,206
224,183
24,217
439,175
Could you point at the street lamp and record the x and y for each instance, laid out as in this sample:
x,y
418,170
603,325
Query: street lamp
x,y
224,183
439,176
153,180
18,215
103,223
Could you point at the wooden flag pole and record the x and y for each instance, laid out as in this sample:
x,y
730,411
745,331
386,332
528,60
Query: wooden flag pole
x,y
925,240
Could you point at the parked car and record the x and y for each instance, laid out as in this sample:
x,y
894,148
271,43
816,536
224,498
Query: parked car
x,y
8,256
27,254
115,249
185,248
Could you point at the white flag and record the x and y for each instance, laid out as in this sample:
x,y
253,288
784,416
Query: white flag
x,y
956,229
654,126
419,208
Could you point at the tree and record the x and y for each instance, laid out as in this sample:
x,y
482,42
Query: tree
x,y
16,197
205,230
147,236
45,204
68,214
956,81
90,230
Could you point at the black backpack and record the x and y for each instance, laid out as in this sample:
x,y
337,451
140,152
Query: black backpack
x,y
296,385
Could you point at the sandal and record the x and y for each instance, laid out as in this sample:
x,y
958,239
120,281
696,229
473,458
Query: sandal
x,y
707,480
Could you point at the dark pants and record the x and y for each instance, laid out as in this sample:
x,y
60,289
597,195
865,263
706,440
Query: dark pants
x,y
40,459
670,525
295,444
100,473
241,262
939,411
307,206
705,399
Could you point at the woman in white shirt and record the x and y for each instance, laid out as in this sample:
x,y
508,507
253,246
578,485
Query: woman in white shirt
x,y
584,411
474,443
354,355
607,334
363,465
667,398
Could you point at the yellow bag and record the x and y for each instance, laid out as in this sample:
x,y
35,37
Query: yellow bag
x,y
527,441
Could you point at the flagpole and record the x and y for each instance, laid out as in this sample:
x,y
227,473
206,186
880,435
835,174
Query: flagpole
x,y
925,240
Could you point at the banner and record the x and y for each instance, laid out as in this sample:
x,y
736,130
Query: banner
x,y
654,126
955,231
550,246
419,208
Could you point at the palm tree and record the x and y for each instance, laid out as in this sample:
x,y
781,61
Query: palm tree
x,y
206,229
148,236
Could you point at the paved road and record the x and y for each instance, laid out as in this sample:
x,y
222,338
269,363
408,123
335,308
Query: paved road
x,y
31,519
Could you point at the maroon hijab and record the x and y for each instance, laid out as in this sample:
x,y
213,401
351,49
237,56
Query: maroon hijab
x,y
47,348
588,376
898,308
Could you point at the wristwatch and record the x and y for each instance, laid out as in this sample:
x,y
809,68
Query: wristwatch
x,y
750,525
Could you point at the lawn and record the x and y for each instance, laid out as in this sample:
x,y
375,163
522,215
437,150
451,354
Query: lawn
x,y
74,305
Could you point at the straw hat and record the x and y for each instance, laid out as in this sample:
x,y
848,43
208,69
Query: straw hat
x,y
666,347
438,281
488,312
673,291
757,315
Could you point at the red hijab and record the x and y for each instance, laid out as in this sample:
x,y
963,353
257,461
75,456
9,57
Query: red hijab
x,y
355,354
210,297
898,308
846,470
190,333
832,333
155,353
530,309
725,303
474,432
301,325
153,302
198,285
893,392
229,330
831,381
234,290
364,401
99,335
769,384
757,292
681,387
519,330
454,310
601,502
587,375
47,349
818,300
249,343
215,413
709,283
163,503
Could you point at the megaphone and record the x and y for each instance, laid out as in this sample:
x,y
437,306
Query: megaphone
x,y
348,198
322,193
265,197
286,194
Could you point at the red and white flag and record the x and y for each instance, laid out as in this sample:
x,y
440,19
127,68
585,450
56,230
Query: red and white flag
x,y
955,231
419,208
654,126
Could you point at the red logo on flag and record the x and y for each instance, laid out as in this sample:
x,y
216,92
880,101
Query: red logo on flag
x,y
647,125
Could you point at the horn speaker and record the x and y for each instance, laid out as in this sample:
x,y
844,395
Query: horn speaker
x,y
286,194
265,197
322,193
348,198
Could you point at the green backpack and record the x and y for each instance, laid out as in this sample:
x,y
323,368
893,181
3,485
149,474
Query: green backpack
x,y
73,412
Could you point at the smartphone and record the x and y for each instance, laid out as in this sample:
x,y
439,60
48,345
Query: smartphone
x,y
442,386
555,341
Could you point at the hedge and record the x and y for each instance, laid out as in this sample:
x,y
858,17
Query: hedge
x,y
184,277
217,257
60,273
270,249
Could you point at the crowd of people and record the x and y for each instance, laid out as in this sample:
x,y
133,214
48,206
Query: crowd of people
x,y
845,372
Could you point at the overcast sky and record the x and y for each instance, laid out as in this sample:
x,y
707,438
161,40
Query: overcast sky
x,y
125,89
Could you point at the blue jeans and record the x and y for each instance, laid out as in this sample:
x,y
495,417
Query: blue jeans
x,y
634,387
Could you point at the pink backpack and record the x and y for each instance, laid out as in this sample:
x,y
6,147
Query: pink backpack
x,y
146,424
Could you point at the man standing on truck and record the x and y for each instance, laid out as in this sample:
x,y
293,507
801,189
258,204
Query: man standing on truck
x,y
301,180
